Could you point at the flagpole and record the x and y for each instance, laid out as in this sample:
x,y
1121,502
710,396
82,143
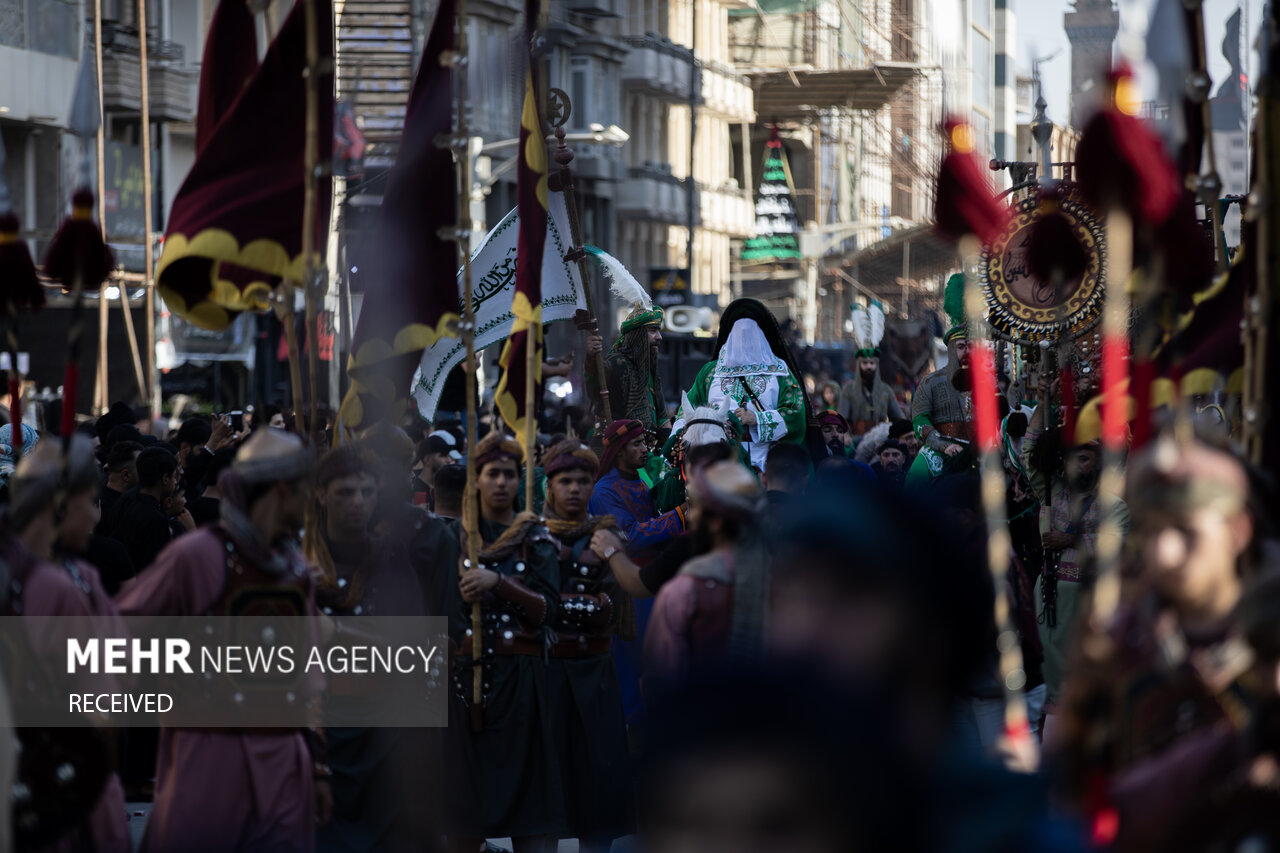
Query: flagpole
x,y
152,388
1011,667
311,275
564,156
100,390
462,236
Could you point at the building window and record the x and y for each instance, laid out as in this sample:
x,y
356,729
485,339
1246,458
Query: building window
x,y
581,82
981,14
981,61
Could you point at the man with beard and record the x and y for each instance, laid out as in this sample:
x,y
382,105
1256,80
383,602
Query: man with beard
x,y
890,466
835,432
942,406
245,789
631,371
586,698
712,613
1066,482
1173,665
866,400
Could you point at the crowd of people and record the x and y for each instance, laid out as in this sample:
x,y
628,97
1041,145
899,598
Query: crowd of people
x,y
762,619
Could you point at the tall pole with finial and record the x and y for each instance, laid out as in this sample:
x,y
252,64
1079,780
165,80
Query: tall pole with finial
x,y
587,323
461,235
312,273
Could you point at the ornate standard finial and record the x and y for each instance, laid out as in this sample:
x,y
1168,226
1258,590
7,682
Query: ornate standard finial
x,y
1042,127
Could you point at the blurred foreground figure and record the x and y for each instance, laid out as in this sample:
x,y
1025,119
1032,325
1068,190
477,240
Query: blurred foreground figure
x,y
714,610
84,810
239,789
772,763
869,589
1172,668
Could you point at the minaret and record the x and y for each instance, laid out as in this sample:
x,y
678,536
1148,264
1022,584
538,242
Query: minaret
x,y
1091,28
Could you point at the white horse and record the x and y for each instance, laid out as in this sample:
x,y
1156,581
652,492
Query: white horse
x,y
701,425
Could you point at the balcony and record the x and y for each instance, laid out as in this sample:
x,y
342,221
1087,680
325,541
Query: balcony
x,y
726,93
172,83
657,66
655,194
726,209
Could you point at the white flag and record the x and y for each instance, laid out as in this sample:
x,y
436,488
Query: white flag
x,y
493,280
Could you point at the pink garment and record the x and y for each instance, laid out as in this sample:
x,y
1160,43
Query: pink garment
x,y
51,591
221,790
691,619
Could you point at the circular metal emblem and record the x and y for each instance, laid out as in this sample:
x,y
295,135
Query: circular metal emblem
x,y
1023,308
559,107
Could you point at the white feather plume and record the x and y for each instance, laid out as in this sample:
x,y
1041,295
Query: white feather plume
x,y
862,328
622,283
877,323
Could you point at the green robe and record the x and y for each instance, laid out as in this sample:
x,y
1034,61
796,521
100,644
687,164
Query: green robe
x,y
784,421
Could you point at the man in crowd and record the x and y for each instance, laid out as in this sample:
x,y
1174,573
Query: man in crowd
x,y
787,474
713,611
835,432
122,475
140,521
591,732
450,484
197,441
1066,483
890,465
502,754
621,493
431,454
631,371
942,405
225,789
866,400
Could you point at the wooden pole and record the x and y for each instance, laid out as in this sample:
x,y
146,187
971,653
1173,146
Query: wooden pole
x,y
286,313
564,156
152,389
100,390
987,445
462,235
312,275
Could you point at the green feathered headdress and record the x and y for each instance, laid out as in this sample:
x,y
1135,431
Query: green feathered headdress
x,y
953,304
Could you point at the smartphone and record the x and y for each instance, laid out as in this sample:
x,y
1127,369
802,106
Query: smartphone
x,y
237,421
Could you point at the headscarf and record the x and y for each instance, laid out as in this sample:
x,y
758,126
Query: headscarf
x,y
641,317
746,351
29,439
616,436
569,455
497,445
834,418
753,309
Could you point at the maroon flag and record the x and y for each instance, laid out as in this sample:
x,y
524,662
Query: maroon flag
x,y
531,202
413,300
235,230
229,61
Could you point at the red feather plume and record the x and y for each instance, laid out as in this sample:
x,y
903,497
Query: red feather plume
x,y
1121,161
965,202
19,287
78,247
